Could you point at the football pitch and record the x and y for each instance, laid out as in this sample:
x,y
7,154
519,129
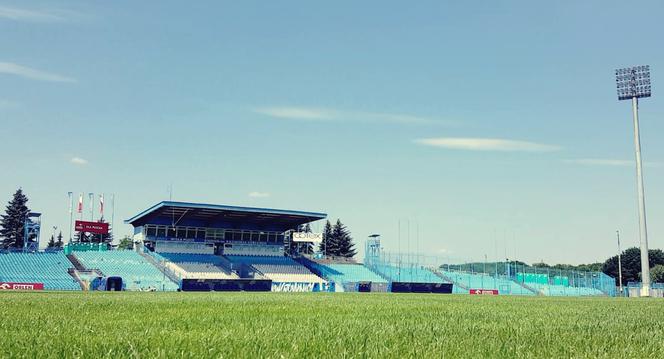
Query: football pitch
x,y
276,325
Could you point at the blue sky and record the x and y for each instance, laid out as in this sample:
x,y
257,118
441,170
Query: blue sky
x,y
493,127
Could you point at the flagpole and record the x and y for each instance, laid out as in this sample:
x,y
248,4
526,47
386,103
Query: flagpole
x,y
113,215
92,206
71,214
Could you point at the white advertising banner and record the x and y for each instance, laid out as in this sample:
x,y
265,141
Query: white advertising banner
x,y
307,237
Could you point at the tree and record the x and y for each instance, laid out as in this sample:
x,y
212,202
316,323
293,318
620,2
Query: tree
x,y
344,242
328,245
13,221
631,264
59,243
51,242
126,243
306,247
657,274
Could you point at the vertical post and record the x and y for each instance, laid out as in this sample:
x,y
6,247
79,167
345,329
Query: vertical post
x,y
92,206
643,229
620,286
113,215
71,214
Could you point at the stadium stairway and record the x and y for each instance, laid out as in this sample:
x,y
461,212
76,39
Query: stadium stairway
x,y
152,260
457,285
75,262
527,287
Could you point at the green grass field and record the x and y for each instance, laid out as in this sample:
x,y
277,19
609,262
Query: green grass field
x,y
148,325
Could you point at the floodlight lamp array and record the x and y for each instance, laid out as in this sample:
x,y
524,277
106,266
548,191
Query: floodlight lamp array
x,y
633,82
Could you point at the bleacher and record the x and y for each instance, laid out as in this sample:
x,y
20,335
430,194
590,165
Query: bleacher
x,y
248,249
485,281
136,272
278,269
347,273
563,291
196,266
410,274
49,268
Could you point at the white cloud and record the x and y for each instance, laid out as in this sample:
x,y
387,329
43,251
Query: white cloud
x,y
608,162
324,114
257,194
486,144
33,74
17,14
79,161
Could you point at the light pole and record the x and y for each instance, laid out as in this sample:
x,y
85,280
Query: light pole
x,y
634,83
619,265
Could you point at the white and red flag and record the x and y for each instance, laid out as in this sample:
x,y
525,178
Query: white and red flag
x,y
101,204
80,203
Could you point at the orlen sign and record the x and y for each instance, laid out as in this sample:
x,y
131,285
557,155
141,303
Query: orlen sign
x,y
21,286
92,227
307,237
484,291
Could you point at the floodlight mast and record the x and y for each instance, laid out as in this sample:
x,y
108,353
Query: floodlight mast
x,y
634,83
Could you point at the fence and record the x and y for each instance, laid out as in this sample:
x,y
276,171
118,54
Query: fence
x,y
507,277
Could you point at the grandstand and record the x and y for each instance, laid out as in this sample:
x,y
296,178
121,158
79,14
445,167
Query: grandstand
x,y
48,268
216,244
137,272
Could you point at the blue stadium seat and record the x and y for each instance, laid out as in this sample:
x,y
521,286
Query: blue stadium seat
x,y
135,270
49,268
279,269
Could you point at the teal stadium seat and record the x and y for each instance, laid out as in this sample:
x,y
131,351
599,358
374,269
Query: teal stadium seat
x,y
348,273
136,272
49,268
410,274
485,281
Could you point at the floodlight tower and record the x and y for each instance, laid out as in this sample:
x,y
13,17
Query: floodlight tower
x,y
634,83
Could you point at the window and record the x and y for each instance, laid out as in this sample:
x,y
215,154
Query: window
x,y
151,231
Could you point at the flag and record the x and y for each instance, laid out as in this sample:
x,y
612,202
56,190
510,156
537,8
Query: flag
x,y
101,204
80,203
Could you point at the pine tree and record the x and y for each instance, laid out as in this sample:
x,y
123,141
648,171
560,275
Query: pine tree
x,y
345,246
59,243
13,221
51,242
327,246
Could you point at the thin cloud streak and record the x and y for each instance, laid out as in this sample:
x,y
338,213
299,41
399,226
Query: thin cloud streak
x,y
486,144
32,74
18,14
295,113
327,114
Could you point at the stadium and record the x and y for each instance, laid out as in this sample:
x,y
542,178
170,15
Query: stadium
x,y
431,179
202,247
212,275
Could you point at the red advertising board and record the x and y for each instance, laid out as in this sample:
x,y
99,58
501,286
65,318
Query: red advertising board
x,y
21,286
92,227
484,291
